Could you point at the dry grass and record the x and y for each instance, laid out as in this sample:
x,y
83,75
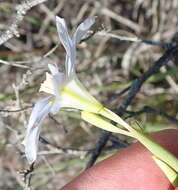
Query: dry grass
x,y
105,65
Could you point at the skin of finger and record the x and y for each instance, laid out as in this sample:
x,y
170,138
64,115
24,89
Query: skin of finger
x,y
129,169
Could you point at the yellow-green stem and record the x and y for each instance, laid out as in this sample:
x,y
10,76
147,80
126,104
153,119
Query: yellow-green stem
x,y
102,123
158,150
114,117
154,147
169,172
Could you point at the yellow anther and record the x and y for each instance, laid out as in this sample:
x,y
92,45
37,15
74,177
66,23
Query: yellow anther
x,y
52,101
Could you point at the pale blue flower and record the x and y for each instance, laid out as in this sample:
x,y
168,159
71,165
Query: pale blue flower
x,y
65,89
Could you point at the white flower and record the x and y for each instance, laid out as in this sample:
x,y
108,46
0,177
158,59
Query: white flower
x,y
65,89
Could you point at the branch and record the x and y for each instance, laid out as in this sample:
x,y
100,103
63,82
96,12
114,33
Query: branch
x,y
98,148
147,109
116,95
57,122
14,111
53,149
136,85
27,176
59,150
13,64
136,39
21,11
101,146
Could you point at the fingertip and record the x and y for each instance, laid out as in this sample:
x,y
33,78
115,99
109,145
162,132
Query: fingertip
x,y
131,168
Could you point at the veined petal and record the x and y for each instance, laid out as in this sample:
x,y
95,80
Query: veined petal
x,y
70,66
31,144
75,95
53,85
82,30
68,45
72,100
57,82
77,87
57,77
64,35
39,112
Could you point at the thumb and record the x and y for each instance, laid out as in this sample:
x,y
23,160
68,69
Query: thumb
x,y
131,168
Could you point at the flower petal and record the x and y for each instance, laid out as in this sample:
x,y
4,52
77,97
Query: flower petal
x,y
53,85
64,35
53,69
75,95
82,29
54,82
39,112
56,105
58,77
70,66
77,87
68,45
47,86
31,145
58,82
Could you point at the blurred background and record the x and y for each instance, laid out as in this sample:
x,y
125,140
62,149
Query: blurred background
x,y
105,65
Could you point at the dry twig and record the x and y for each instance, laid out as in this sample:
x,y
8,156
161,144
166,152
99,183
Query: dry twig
x,y
21,12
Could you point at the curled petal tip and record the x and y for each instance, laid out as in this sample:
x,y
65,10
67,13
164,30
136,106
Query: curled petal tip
x,y
60,20
82,29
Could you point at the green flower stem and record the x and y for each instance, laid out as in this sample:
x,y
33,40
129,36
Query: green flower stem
x,y
159,151
114,117
169,172
102,123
